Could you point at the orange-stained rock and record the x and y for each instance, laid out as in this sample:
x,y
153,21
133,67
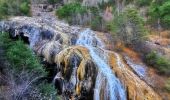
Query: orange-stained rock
x,y
136,88
77,70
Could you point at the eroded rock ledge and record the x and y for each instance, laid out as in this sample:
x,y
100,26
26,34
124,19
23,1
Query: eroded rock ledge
x,y
76,71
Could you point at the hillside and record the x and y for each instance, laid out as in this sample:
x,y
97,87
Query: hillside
x,y
84,50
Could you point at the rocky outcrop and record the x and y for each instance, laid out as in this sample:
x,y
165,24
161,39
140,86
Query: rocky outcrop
x,y
77,70
137,89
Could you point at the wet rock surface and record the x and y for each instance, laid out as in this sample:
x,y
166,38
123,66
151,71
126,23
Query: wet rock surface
x,y
77,73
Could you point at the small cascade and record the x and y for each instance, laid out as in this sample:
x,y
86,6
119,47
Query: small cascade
x,y
84,68
140,69
106,82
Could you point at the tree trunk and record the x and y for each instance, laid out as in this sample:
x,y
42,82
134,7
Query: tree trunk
x,y
159,27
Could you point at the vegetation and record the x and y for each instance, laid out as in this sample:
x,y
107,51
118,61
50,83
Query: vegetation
x,y
13,8
71,9
75,13
165,13
24,71
160,12
160,63
129,27
24,8
96,19
54,1
141,3
167,85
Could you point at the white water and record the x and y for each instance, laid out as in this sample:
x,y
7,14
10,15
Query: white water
x,y
106,79
138,68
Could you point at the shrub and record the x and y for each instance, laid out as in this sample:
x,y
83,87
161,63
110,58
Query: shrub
x,y
160,63
96,20
25,73
13,8
96,23
54,1
143,2
48,91
129,27
24,8
20,56
75,12
167,85
69,10
3,9
165,13
160,10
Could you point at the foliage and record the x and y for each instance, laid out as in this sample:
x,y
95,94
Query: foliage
x,y
69,10
96,23
143,2
165,13
74,12
96,19
48,91
14,7
160,9
167,85
24,8
160,63
129,27
24,71
104,4
3,9
20,56
54,1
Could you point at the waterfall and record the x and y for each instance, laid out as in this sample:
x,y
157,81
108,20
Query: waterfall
x,y
106,81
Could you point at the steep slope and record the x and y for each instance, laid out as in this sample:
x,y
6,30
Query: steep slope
x,y
83,65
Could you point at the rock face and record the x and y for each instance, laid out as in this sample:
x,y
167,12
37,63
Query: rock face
x,y
85,70
137,89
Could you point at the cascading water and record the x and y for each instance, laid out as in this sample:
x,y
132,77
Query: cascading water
x,y
106,82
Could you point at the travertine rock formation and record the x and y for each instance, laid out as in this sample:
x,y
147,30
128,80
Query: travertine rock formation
x,y
77,71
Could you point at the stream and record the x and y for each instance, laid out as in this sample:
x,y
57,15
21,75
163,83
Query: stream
x,y
113,89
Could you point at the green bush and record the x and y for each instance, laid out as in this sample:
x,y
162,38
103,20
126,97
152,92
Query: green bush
x,y
48,91
14,8
165,13
69,10
96,19
96,23
20,56
25,67
167,85
143,2
3,9
54,1
160,10
160,63
24,8
129,27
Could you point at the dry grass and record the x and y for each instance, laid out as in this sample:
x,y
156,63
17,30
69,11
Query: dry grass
x,y
163,41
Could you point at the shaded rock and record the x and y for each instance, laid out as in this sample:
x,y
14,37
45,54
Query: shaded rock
x,y
78,70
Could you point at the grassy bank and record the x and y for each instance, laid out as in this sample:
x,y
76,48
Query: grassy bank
x,y
22,72
14,8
